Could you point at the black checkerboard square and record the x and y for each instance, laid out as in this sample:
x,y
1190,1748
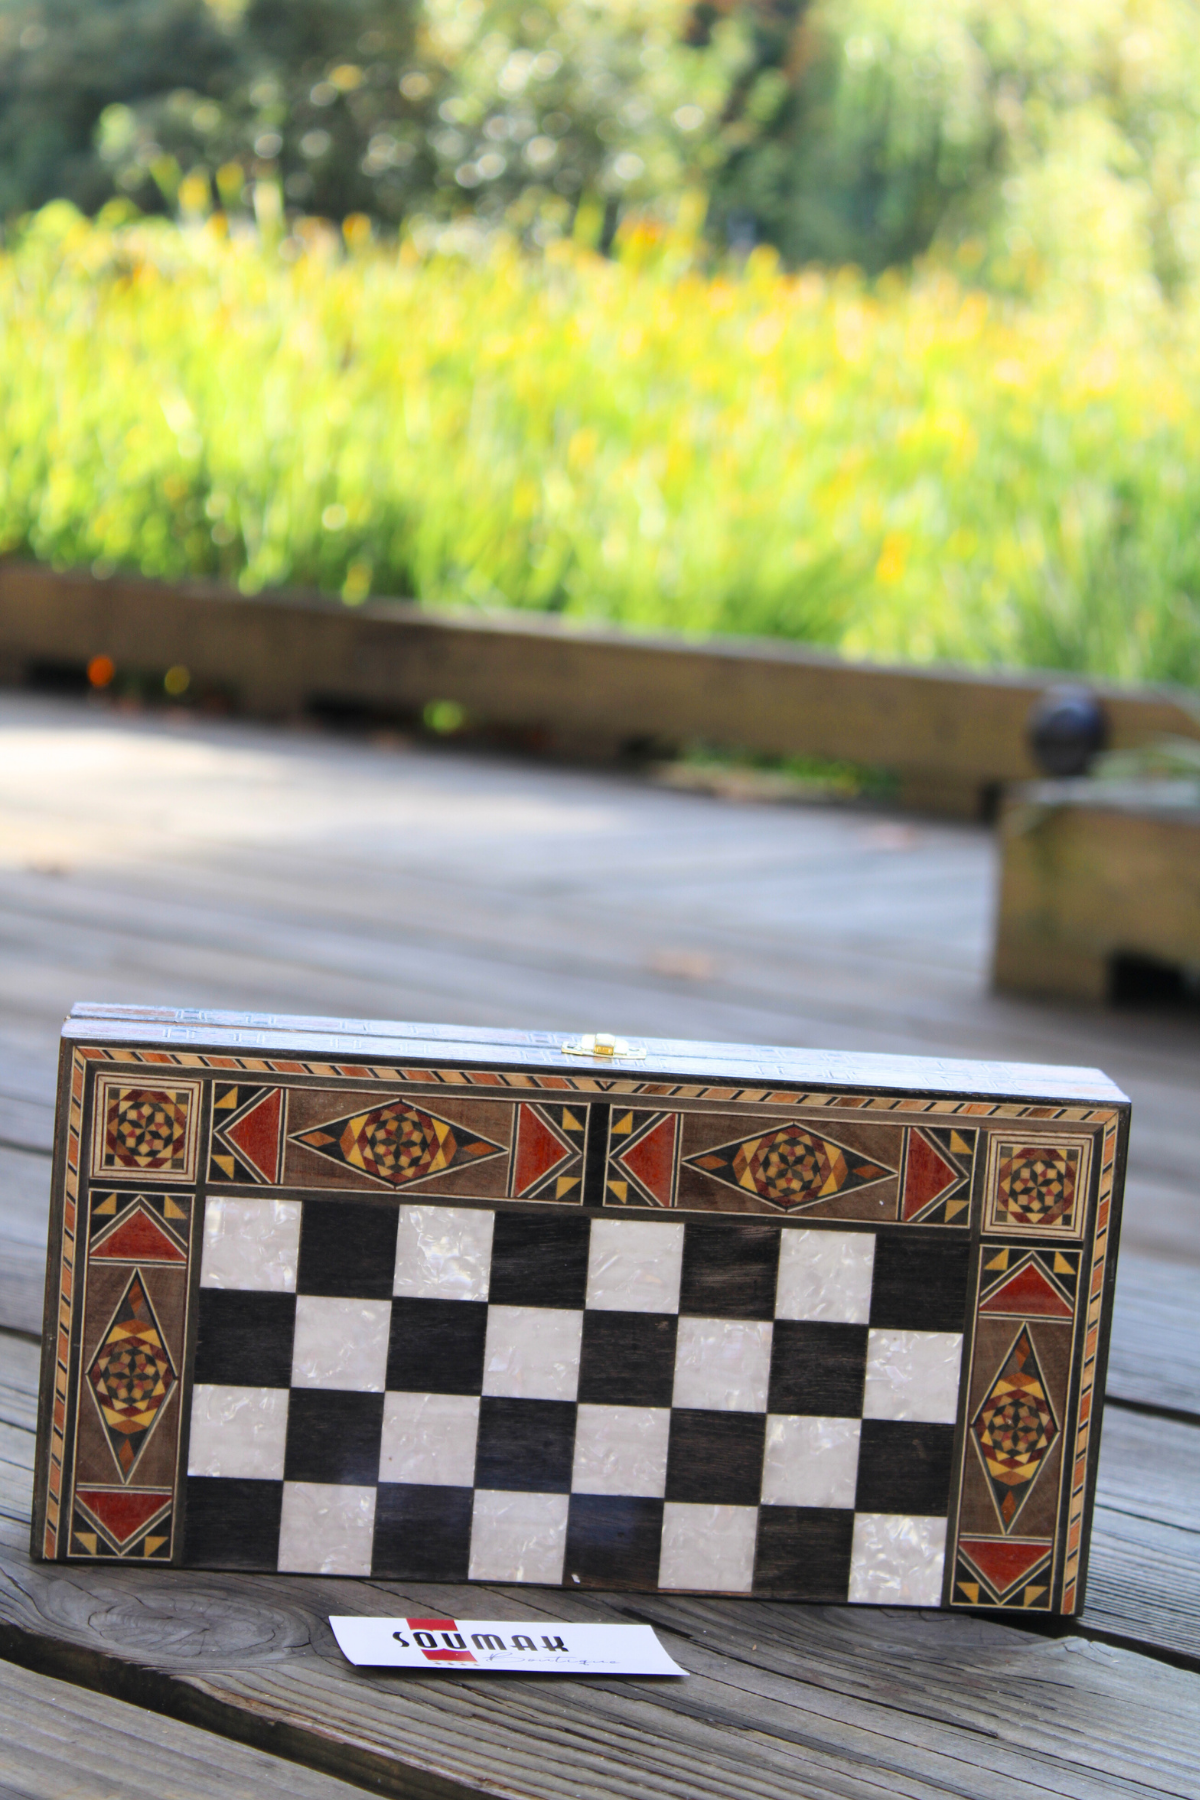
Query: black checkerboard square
x,y
920,1282
613,1541
804,1552
716,1457
627,1359
714,1394
525,1445
347,1248
436,1346
231,1523
817,1368
422,1533
244,1339
539,1259
333,1437
729,1270
904,1467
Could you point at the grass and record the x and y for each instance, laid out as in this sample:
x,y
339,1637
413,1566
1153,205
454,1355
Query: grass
x,y
907,470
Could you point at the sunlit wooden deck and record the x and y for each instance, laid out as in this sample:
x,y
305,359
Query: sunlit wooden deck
x,y
159,858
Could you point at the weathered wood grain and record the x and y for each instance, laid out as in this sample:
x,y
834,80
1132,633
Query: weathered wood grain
x,y
1154,1358
24,1208
26,1124
63,1743
780,1699
303,873
1144,1579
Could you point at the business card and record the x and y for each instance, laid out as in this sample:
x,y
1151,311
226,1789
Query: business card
x,y
507,1646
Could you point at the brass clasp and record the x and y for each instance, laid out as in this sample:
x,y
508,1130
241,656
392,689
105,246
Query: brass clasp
x,y
602,1043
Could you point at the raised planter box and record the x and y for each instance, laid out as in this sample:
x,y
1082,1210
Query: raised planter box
x,y
1097,876
953,737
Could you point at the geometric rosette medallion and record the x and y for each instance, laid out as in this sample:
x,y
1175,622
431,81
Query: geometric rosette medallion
x,y
337,1296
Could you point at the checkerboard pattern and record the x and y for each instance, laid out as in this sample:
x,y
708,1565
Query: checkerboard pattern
x,y
433,1392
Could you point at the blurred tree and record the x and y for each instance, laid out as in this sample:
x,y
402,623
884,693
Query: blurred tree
x,y
549,109
63,61
379,106
1029,142
1032,141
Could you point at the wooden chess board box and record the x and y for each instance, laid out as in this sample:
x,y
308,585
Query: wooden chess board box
x,y
364,1298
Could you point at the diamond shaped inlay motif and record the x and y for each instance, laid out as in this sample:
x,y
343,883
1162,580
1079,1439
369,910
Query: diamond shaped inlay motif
x,y
398,1143
131,1375
1015,1428
789,1167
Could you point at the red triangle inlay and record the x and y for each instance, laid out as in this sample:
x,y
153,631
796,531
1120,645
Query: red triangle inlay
x,y
138,1238
1002,1564
926,1175
121,1514
538,1150
652,1158
255,1136
1028,1292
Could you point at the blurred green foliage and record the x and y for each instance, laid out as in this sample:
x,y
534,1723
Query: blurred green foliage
x,y
447,392
1040,141
391,108
909,469
1033,143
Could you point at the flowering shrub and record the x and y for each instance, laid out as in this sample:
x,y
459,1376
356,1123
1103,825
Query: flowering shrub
x,y
904,470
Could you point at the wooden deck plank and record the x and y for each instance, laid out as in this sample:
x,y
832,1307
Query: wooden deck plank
x,y
1154,1358
1144,1578
298,872
843,1701
62,1742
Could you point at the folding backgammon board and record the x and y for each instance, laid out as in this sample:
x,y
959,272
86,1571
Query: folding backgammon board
x,y
357,1298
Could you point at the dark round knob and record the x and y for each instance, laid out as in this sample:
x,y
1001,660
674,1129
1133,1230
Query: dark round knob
x,y
1066,729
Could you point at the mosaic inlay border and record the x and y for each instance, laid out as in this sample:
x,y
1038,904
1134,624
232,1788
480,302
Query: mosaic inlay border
x,y
1093,1130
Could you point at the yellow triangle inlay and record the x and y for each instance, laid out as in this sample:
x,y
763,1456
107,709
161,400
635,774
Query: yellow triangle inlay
x,y
171,1211
1061,1265
1032,1594
570,1122
226,1165
619,1189
959,1143
954,1207
227,1101
153,1544
971,1591
999,1261
89,1540
623,1126
564,1184
109,1205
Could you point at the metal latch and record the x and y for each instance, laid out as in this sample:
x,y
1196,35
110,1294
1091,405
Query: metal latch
x,y
602,1043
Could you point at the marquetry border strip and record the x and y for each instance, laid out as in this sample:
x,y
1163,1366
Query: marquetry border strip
x,y
985,1248
1087,1382
600,1084
66,1298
